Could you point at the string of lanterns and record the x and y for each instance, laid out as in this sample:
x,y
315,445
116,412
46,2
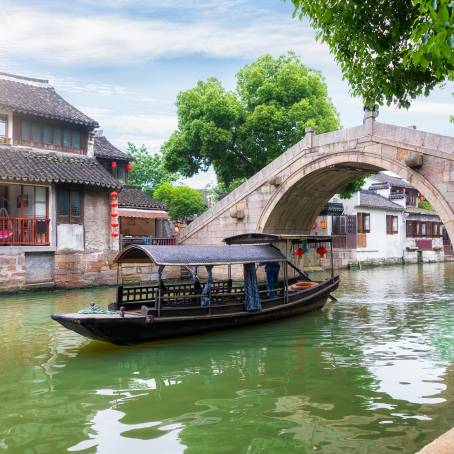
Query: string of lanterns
x,y
303,248
128,166
114,214
114,203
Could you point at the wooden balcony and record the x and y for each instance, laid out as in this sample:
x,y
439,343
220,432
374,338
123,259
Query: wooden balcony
x,y
126,240
24,231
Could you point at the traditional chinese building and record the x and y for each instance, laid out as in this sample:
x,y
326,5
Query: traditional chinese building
x,y
58,222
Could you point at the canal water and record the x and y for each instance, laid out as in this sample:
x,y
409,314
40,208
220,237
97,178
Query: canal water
x,y
371,373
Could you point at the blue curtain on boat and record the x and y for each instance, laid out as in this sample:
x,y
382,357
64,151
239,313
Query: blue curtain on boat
x,y
251,288
205,300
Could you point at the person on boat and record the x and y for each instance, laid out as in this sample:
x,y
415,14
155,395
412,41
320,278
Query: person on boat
x,y
272,276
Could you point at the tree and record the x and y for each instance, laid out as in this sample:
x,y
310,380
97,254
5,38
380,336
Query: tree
x,y
148,170
239,133
182,202
389,50
350,188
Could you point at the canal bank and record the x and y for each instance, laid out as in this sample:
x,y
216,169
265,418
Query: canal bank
x,y
373,372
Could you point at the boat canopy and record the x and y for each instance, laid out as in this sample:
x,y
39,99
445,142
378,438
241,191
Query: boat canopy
x,y
268,238
199,255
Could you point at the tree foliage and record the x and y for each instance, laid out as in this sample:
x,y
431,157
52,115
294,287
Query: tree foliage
x,y
238,133
182,202
148,170
352,187
389,50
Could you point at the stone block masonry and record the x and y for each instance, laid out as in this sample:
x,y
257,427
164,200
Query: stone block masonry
x,y
12,272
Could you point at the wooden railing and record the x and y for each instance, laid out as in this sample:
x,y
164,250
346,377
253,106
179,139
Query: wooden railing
x,y
5,140
125,240
24,231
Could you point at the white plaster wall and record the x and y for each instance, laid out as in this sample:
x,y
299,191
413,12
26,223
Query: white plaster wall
x,y
378,243
70,237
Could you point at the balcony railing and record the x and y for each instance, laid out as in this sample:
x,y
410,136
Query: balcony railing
x,y
24,231
126,240
5,140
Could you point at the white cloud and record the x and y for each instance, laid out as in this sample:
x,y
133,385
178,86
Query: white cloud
x,y
140,128
116,40
443,109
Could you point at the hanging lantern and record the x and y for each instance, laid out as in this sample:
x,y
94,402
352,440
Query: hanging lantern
x,y
114,195
299,252
128,167
114,225
114,204
113,164
314,225
114,234
323,224
114,215
321,251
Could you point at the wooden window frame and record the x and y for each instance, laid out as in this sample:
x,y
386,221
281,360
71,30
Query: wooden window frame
x,y
361,218
390,224
73,132
69,219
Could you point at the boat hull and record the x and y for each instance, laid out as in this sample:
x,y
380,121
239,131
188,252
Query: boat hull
x,y
134,329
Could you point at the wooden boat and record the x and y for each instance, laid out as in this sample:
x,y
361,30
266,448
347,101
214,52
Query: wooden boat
x,y
165,310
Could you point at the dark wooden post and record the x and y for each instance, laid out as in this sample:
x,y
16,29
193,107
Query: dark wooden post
x,y
119,296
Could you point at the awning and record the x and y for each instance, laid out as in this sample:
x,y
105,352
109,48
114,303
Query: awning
x,y
195,255
136,213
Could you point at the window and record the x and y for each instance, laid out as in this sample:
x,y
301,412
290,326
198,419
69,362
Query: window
x,y
423,229
66,138
52,136
363,222
47,135
69,207
392,224
57,136
36,133
3,126
76,139
25,130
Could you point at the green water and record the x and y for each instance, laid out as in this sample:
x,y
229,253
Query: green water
x,y
372,373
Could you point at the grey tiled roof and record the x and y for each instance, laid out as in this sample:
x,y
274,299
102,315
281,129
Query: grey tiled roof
x,y
372,200
392,181
133,197
20,164
36,97
104,149
202,254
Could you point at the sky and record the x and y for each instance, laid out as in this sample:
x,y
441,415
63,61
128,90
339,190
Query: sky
x,y
123,62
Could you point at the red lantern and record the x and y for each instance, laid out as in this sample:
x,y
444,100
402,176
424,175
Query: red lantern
x,y
314,225
114,234
128,167
421,198
114,195
113,164
321,251
114,225
114,204
299,252
114,215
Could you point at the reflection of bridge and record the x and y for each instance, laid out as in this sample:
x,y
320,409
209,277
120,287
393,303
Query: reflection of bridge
x,y
287,195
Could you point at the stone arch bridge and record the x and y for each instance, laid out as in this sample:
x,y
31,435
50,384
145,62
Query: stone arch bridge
x,y
287,195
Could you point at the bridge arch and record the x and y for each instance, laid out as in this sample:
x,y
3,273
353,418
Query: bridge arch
x,y
312,185
288,194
